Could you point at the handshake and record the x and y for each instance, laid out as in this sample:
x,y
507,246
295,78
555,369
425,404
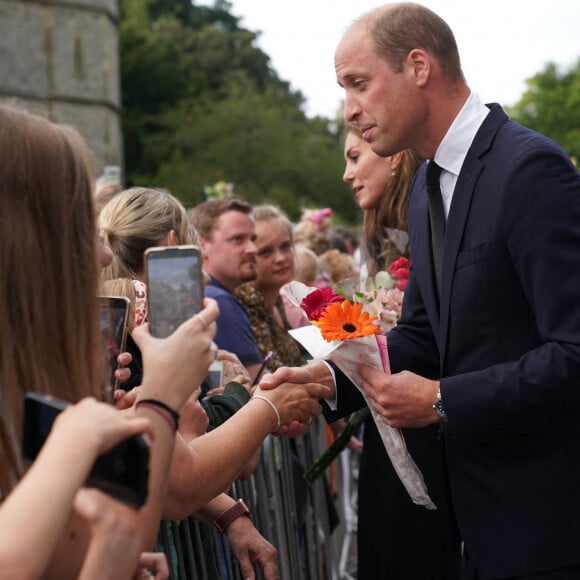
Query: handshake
x,y
298,392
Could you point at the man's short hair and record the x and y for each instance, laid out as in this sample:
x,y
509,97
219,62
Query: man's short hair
x,y
204,216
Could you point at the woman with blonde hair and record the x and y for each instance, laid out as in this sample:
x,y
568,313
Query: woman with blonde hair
x,y
261,297
137,219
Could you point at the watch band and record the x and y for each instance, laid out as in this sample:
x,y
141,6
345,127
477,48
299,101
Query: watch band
x,y
228,516
438,406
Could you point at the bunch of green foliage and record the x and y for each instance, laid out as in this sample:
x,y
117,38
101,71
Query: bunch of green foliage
x,y
201,105
551,106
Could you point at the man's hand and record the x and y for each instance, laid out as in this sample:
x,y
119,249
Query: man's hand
x,y
312,373
403,400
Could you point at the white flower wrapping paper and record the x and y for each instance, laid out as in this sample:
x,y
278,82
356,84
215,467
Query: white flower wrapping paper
x,y
347,355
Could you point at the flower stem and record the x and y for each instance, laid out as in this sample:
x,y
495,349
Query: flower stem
x,y
318,466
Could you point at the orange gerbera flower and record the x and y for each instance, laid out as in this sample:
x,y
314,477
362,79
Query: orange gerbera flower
x,y
343,320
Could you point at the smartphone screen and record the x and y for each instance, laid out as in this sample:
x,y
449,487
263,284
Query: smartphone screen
x,y
114,313
122,472
215,374
174,288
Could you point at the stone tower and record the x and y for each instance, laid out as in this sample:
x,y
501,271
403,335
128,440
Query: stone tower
x,y
60,58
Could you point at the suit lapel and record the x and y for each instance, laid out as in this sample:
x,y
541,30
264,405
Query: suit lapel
x,y
456,222
458,213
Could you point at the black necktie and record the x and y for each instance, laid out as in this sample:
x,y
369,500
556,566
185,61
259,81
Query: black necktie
x,y
437,219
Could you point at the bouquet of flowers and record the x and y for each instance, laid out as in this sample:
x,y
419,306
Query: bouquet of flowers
x,y
344,332
383,295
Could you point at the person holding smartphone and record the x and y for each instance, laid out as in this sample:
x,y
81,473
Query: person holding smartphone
x,y
140,227
202,467
58,473
52,342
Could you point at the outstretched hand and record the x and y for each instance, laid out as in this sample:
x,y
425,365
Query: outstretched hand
x,y
291,378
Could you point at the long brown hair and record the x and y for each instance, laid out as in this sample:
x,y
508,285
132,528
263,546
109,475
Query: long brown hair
x,y
379,250
48,307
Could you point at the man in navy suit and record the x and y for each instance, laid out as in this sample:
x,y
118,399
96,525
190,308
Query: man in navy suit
x,y
491,350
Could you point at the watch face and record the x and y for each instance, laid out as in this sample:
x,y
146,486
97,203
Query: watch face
x,y
438,406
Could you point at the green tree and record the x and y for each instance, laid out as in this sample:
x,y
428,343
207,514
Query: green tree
x,y
202,105
266,148
551,105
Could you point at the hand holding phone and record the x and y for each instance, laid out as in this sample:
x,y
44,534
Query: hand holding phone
x,y
122,472
114,317
174,286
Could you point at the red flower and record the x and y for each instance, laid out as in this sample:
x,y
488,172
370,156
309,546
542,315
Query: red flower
x,y
401,284
315,302
399,271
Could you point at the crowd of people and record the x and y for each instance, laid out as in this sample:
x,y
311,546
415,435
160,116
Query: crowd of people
x,y
51,344
484,361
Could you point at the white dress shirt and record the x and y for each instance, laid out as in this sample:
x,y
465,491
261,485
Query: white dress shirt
x,y
452,150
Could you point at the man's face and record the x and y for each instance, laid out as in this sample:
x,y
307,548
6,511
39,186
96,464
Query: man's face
x,y
230,256
382,103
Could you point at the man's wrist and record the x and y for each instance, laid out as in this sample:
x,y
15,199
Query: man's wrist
x,y
325,375
439,408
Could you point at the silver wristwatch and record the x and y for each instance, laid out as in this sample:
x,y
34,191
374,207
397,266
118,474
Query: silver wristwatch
x,y
438,406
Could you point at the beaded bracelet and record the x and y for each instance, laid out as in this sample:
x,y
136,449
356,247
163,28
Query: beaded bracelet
x,y
271,405
170,415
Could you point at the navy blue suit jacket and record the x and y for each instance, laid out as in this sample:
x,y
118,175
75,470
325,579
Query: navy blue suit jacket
x,y
505,341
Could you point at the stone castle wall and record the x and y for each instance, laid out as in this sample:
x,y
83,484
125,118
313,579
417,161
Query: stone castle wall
x,y
61,59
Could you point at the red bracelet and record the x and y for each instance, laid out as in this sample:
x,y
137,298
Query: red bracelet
x,y
160,411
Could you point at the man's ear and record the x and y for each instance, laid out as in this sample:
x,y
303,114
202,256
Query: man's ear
x,y
202,242
419,63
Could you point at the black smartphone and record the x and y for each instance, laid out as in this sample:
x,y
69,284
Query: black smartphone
x,y
114,318
122,472
174,286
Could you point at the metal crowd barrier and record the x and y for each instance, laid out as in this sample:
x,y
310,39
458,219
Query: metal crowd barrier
x,y
302,521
